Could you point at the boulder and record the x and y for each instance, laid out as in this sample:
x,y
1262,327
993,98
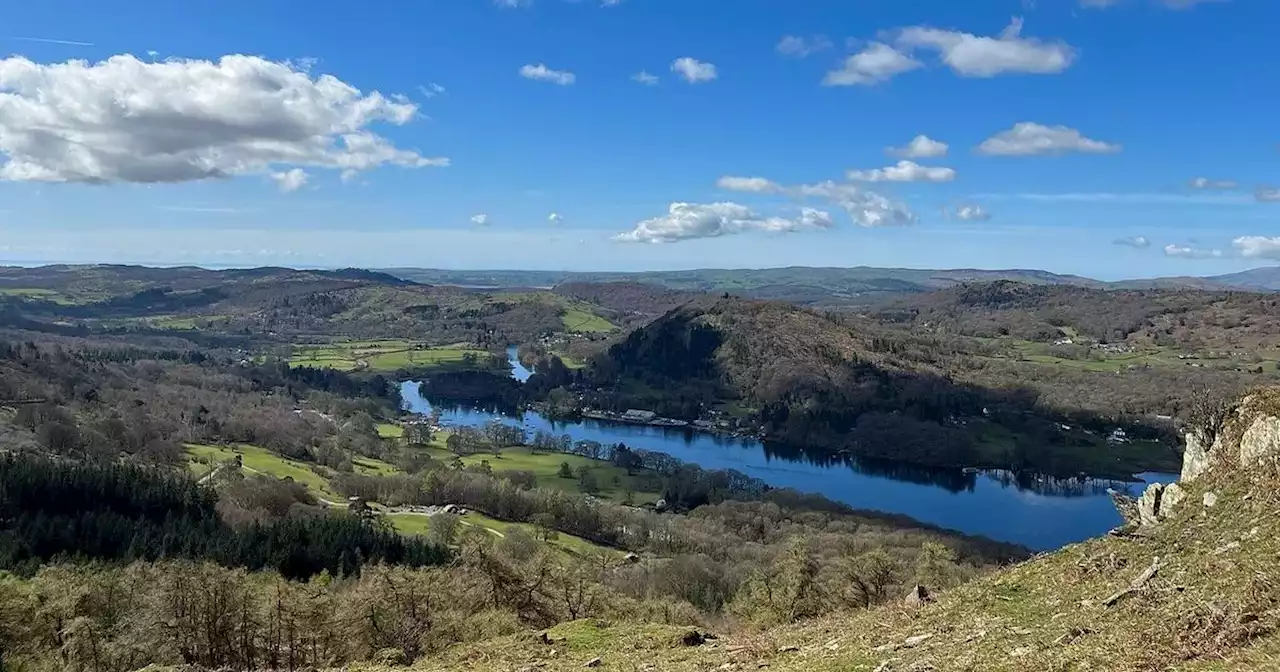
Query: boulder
x,y
1173,495
917,596
1210,499
1149,505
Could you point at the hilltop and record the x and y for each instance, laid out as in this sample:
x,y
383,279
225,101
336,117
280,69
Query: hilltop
x,y
841,384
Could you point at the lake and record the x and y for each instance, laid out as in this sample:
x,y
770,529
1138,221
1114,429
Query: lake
x,y
1039,512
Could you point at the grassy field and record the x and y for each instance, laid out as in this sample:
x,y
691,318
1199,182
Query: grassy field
x,y
418,524
387,430
1098,360
386,356
546,467
262,461
581,321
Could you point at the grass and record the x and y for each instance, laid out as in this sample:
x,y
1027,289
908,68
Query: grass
x,y
1213,605
390,431
546,466
262,461
371,466
584,322
386,356
39,294
418,524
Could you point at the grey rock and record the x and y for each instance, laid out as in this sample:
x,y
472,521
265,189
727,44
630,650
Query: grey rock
x,y
1173,495
1210,499
916,640
917,596
1261,442
594,662
1195,459
1149,505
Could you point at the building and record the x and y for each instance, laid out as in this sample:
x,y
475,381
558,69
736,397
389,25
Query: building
x,y
637,415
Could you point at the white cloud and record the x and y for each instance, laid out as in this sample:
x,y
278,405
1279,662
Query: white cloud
x,y
1029,139
126,120
920,147
971,55
513,4
1267,194
904,171
1258,247
757,185
971,212
877,63
645,78
865,208
542,73
693,70
480,219
1136,242
431,90
686,221
1206,183
798,46
1191,252
554,218
290,180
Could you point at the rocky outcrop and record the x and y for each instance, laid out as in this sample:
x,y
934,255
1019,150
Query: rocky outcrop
x,y
1249,438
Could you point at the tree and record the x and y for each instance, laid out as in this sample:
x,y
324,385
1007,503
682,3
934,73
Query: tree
x,y
443,529
566,471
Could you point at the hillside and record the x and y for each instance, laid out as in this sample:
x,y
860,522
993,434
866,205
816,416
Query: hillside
x,y
830,287
279,304
1212,601
839,384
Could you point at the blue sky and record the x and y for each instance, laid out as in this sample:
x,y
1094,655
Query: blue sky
x,y
1073,134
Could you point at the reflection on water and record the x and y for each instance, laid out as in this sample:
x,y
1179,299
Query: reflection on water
x,y
1036,511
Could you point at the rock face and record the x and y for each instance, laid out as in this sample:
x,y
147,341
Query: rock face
x,y
1195,459
917,596
1149,505
1260,442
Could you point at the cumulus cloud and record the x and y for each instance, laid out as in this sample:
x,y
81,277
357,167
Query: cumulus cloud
x,y
1206,183
876,63
686,221
480,219
920,147
1136,242
126,120
554,218
1267,194
1186,252
971,55
795,45
290,180
971,212
645,78
1257,247
541,73
1029,139
904,171
865,208
693,70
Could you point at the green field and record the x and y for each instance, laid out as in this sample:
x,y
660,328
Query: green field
x,y
419,524
390,431
261,461
1109,362
38,293
581,321
386,356
545,466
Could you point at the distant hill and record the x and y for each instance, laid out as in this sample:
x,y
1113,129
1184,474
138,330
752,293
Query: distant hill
x,y
829,287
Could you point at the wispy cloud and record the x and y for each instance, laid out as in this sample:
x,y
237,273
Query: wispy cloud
x,y
50,40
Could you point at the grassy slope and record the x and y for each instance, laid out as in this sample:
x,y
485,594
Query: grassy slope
x,y
1213,605
262,461
546,467
382,356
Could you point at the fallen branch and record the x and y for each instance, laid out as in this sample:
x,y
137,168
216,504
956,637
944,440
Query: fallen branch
x,y
1138,584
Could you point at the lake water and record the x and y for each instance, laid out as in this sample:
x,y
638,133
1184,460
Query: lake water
x,y
1039,512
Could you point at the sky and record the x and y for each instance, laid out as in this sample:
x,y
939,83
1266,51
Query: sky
x,y
1108,138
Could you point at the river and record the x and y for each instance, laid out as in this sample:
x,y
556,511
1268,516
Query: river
x,y
1039,512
